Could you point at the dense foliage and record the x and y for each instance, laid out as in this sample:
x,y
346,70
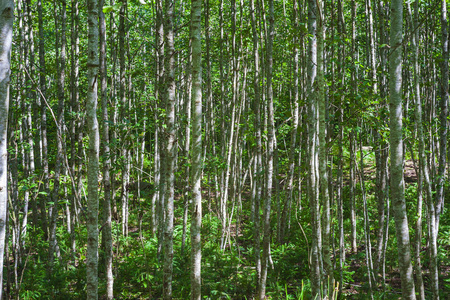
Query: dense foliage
x,y
48,182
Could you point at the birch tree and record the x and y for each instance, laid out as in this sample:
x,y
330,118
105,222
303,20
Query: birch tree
x,y
196,223
6,33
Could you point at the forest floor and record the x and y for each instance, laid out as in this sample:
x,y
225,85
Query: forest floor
x,y
358,289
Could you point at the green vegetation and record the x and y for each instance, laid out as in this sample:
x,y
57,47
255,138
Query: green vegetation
x,y
305,140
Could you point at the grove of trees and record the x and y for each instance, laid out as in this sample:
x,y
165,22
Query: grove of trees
x,y
211,149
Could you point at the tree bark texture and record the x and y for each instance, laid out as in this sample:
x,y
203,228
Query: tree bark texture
x,y
313,130
93,151
270,154
171,146
396,143
6,34
107,235
197,159
422,158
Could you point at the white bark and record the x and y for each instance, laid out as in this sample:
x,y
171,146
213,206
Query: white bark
x,y
258,162
6,31
313,129
107,235
196,223
396,142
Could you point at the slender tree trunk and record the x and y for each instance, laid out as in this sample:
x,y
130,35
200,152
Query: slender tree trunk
x,y
258,147
19,157
368,244
156,168
270,154
443,120
161,161
14,195
187,146
6,34
77,128
53,210
42,86
340,204
171,146
196,223
210,147
328,279
396,142
93,163
313,121
124,113
285,218
74,124
380,145
373,69
340,166
353,219
228,150
34,139
221,190
107,235
30,161
422,160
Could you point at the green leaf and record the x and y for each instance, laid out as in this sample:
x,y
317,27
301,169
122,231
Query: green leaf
x,y
107,9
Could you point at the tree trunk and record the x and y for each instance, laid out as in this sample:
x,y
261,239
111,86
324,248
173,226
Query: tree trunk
x,y
161,162
124,115
340,163
368,244
353,219
258,147
61,64
396,143
285,218
422,159
6,34
107,235
321,100
93,163
313,124
197,159
171,146
42,86
270,154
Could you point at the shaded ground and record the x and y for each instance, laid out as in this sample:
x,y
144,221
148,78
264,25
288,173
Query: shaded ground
x,y
359,288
